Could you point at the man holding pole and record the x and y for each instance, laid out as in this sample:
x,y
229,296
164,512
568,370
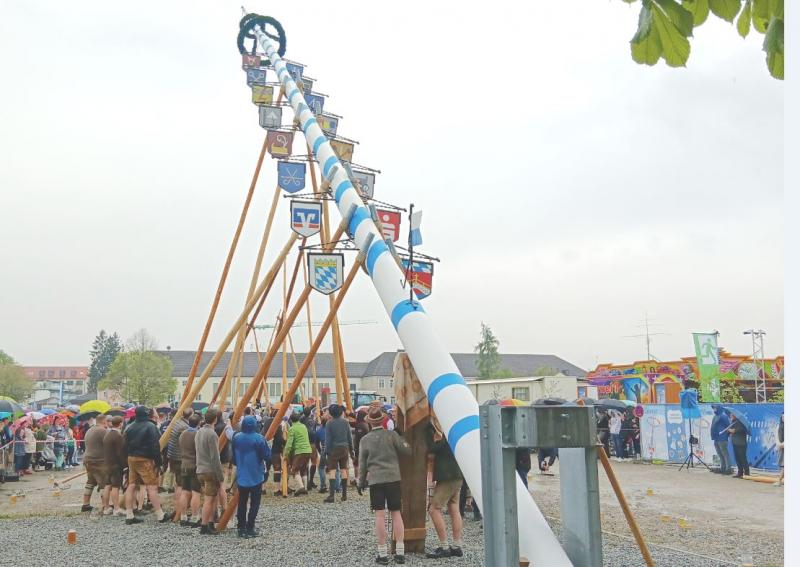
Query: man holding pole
x,y
115,463
144,459
209,468
93,461
298,453
379,457
338,449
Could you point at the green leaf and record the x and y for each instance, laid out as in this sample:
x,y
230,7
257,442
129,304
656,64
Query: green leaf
x,y
773,45
760,15
645,45
699,10
725,9
681,18
645,23
743,23
675,45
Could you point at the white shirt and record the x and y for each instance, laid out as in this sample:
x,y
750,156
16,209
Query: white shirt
x,y
615,424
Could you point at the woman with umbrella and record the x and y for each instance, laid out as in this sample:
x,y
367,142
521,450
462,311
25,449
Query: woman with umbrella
x,y
739,431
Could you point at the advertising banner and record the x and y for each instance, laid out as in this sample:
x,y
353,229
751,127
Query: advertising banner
x,y
705,348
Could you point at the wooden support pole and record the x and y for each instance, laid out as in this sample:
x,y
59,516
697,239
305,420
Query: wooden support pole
x,y
637,535
243,331
265,283
229,510
348,401
286,324
224,277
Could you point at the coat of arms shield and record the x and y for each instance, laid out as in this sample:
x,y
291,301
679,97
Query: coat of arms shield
x,y
306,217
325,272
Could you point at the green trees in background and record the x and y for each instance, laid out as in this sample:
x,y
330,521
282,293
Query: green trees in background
x,y
14,383
105,349
665,27
140,374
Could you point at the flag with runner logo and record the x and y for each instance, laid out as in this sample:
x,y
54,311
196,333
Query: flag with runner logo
x,y
707,352
306,216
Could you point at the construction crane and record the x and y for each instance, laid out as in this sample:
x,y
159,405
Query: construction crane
x,y
315,324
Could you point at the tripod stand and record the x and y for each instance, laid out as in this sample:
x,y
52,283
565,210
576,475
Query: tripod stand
x,y
688,462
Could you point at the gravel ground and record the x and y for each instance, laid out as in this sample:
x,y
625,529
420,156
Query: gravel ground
x,y
304,531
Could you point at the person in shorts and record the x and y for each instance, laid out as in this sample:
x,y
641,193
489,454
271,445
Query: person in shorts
x,y
448,478
338,450
141,442
115,463
189,505
94,462
379,458
209,468
298,453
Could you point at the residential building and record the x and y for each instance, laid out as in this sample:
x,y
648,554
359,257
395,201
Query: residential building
x,y
525,389
55,385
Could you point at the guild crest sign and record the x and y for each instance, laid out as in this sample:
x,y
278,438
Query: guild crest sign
x,y
305,85
306,217
262,95
250,61
291,176
390,224
279,143
364,182
295,70
256,77
328,123
325,272
343,150
315,102
270,116
420,276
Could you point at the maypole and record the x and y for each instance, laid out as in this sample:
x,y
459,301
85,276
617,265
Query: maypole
x,y
453,403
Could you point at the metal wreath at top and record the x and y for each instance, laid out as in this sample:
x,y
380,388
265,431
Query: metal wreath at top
x,y
246,31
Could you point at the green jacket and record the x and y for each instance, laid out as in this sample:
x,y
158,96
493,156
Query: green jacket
x,y
297,441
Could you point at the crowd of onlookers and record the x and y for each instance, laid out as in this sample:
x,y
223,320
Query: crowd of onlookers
x,y
32,446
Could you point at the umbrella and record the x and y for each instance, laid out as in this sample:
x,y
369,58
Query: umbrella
x,y
388,407
197,406
9,405
163,409
48,411
116,410
130,413
587,401
26,419
512,402
37,415
74,408
95,405
611,403
740,416
5,414
83,416
552,401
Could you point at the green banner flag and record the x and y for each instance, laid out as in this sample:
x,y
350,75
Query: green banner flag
x,y
705,348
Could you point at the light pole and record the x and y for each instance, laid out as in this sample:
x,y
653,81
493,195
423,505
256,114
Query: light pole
x,y
757,335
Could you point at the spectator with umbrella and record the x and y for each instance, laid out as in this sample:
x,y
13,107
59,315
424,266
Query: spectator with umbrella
x,y
739,430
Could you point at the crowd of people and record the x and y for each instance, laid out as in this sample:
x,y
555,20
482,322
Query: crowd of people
x,y
207,459
620,430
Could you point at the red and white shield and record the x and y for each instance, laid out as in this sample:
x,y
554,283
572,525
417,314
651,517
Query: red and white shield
x,y
390,223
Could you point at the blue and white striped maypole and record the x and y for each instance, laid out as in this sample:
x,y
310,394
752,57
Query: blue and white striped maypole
x,y
452,401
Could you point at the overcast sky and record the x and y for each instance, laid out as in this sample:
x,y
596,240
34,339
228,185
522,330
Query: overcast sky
x,y
567,190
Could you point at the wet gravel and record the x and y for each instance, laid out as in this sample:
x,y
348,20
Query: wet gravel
x,y
297,531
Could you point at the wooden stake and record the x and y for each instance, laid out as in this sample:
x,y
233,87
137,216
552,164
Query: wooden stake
x,y
299,376
266,282
637,535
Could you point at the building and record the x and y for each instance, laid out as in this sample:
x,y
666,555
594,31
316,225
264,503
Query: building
x,y
323,364
525,389
375,375
57,385
653,381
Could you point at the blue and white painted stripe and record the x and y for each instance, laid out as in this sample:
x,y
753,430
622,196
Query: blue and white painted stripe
x,y
453,403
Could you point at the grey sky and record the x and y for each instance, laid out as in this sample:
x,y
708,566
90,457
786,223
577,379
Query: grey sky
x,y
592,190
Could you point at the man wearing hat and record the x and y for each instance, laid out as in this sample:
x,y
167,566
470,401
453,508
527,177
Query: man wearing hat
x,y
378,457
